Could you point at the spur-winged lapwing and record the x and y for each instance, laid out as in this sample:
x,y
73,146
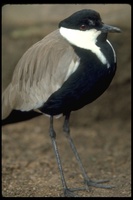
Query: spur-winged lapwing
x,y
63,72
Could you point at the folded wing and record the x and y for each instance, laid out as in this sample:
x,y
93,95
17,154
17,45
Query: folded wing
x,y
41,71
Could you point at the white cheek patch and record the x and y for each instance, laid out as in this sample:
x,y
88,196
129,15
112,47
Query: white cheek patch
x,y
86,40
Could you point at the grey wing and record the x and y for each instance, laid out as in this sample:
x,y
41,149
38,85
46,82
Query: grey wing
x,y
41,71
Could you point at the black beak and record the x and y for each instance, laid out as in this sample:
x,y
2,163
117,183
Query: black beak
x,y
107,28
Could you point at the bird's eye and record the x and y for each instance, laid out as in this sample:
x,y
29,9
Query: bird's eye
x,y
83,27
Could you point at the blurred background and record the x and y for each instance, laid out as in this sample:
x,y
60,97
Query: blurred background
x,y
101,128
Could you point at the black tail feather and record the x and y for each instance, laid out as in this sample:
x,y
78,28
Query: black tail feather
x,y
19,116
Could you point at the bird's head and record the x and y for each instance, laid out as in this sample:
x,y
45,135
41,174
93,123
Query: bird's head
x,y
84,26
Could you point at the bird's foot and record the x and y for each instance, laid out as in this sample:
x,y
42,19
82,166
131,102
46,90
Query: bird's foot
x,y
98,184
69,192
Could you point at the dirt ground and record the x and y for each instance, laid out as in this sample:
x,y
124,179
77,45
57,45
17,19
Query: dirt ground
x,y
101,131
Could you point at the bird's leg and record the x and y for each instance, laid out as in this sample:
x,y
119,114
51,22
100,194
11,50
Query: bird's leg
x,y
67,191
87,180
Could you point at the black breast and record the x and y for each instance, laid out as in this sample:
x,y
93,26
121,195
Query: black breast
x,y
87,83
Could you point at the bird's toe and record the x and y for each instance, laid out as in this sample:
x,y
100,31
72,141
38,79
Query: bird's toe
x,y
98,184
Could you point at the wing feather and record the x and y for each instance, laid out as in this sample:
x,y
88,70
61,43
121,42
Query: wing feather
x,y
39,73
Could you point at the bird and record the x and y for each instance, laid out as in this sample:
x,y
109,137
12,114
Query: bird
x,y
66,70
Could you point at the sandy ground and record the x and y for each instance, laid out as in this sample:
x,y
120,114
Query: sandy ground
x,y
101,131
